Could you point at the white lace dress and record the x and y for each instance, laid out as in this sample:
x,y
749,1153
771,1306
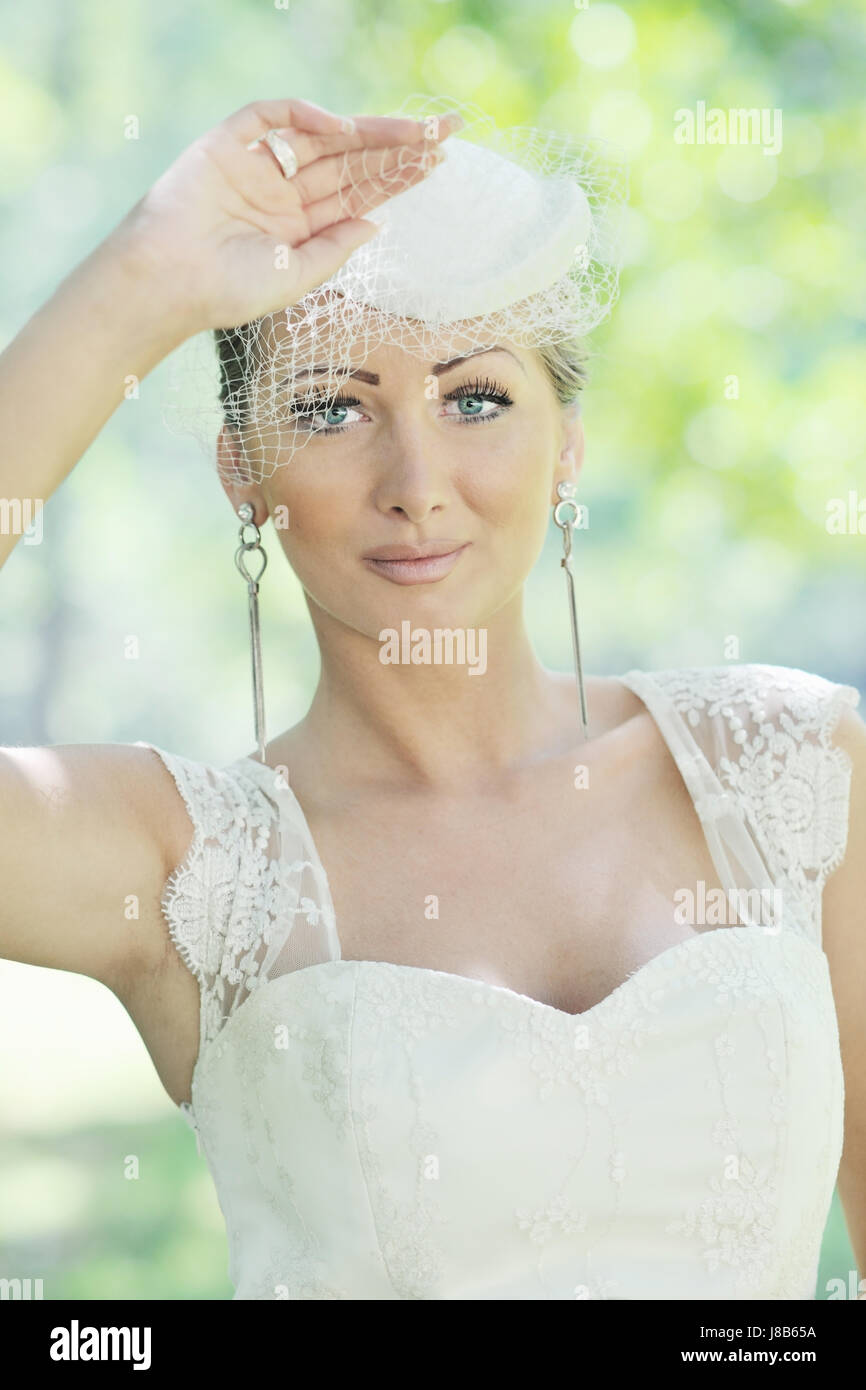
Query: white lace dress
x,y
382,1131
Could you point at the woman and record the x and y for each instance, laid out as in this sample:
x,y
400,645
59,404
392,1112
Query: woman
x,y
566,1017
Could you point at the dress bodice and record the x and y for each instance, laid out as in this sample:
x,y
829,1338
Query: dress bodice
x,y
377,1130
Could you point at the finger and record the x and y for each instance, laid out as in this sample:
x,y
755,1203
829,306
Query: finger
x,y
347,172
390,130
358,201
309,148
258,117
371,132
321,256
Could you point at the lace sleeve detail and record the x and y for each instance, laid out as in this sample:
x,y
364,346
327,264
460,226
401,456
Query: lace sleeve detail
x,y
223,879
767,732
250,900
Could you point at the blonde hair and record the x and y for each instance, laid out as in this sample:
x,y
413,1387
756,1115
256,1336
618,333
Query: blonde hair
x,y
567,366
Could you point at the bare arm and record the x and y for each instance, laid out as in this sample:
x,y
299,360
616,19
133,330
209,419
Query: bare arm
x,y
90,835
63,375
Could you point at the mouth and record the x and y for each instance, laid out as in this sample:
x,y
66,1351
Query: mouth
x,y
416,569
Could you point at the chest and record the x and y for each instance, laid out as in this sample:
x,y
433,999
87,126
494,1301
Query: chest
x,y
555,892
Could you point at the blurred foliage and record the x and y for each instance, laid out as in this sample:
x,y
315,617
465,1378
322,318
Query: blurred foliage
x,y
707,513
157,1235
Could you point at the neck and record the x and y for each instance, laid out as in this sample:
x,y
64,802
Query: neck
x,y
426,722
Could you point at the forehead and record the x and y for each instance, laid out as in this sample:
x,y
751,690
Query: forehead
x,y
327,335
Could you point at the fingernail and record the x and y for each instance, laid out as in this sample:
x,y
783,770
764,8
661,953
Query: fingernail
x,y
348,125
452,116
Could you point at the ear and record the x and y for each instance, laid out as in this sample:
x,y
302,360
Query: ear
x,y
570,460
234,475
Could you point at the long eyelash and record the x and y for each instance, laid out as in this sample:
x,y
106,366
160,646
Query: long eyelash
x,y
320,400
491,389
316,402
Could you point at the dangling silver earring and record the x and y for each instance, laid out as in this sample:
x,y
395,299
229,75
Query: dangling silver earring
x,y
567,493
246,512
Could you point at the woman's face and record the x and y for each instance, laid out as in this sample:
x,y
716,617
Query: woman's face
x,y
468,452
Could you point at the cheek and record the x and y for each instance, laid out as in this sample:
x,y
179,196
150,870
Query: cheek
x,y
510,486
318,512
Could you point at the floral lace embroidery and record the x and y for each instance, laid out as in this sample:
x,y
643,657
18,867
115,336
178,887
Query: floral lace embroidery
x,y
558,1214
237,891
737,1223
779,766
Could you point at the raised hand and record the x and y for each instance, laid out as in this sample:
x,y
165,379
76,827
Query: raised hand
x,y
234,239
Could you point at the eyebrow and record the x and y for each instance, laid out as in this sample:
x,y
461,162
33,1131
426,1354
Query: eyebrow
x,y
437,368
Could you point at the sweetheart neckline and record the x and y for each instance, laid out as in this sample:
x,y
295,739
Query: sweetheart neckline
x,y
283,789
472,982
633,680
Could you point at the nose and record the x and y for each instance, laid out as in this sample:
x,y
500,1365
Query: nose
x,y
413,478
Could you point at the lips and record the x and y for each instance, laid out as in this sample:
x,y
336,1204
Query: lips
x,y
414,552
415,564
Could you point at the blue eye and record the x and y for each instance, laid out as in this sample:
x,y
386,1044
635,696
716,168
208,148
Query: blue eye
x,y
474,395
310,408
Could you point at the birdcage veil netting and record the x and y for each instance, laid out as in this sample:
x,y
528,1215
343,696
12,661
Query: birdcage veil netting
x,y
514,237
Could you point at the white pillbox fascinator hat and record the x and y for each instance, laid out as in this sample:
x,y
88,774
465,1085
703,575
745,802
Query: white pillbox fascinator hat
x,y
514,236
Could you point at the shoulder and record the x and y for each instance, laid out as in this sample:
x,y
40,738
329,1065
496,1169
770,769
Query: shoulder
x,y
213,795
850,735
610,702
760,718
759,691
220,829
782,746
755,717
240,818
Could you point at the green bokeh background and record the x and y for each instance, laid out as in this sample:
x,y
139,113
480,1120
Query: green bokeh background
x,y
707,511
